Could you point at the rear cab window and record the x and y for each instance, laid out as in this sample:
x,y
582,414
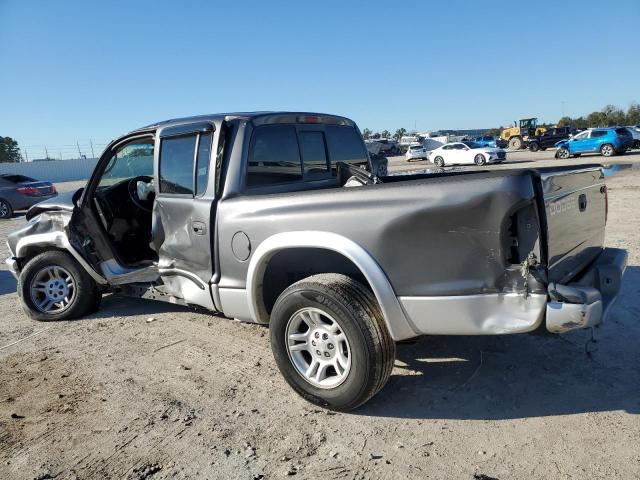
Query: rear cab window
x,y
288,153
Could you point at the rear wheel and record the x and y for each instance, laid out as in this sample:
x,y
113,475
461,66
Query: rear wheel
x,y
5,209
53,286
330,342
562,153
479,159
607,150
438,161
534,146
515,143
636,144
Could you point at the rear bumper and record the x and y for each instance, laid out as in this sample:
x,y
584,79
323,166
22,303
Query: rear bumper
x,y
587,301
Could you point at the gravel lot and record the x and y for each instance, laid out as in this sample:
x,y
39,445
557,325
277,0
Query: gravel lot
x,y
143,389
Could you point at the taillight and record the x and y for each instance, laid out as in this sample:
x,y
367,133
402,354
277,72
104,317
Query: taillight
x,y
27,190
53,189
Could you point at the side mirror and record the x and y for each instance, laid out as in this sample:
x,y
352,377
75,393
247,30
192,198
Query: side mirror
x,y
466,148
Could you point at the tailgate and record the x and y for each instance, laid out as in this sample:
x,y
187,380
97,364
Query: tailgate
x,y
575,207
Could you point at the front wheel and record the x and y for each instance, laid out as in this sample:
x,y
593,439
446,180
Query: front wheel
x,y
562,153
534,146
330,341
607,150
438,161
53,286
479,159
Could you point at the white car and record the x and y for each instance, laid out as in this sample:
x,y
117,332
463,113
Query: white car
x,y
418,151
466,153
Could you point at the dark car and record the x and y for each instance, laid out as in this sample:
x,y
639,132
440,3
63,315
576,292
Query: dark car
x,y
18,192
549,138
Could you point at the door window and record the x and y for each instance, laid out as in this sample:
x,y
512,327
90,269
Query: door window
x,y
598,133
177,156
134,159
202,162
581,136
176,165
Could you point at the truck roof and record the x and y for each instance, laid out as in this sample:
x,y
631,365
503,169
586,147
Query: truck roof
x,y
260,117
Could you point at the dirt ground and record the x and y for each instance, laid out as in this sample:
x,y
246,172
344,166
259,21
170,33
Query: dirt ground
x,y
145,389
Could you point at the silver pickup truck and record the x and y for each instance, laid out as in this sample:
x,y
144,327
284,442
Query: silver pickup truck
x,y
269,218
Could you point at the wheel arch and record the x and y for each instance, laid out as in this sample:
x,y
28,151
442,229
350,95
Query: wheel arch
x,y
32,245
350,252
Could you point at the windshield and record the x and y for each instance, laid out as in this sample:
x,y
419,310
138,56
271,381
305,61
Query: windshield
x,y
473,145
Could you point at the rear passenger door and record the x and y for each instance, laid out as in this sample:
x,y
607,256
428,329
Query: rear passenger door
x,y
184,211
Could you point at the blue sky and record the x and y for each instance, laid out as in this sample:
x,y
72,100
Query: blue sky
x,y
79,70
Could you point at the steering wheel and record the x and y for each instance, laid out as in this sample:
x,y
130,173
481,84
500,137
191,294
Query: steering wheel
x,y
132,187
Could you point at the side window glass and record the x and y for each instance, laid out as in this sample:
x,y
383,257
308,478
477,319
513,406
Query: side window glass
x,y
134,159
202,163
176,165
314,155
274,156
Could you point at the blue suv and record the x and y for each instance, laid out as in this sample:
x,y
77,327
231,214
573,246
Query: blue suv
x,y
607,141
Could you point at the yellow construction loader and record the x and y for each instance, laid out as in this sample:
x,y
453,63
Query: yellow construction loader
x,y
517,136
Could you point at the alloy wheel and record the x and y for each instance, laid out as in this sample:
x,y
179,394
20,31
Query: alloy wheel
x,y
318,348
53,289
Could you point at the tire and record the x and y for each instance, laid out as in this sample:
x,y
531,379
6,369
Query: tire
x,y
636,144
362,350
562,153
52,271
515,143
479,159
6,211
534,146
607,150
439,161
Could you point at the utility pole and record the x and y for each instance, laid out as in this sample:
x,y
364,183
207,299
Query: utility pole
x,y
26,155
562,103
60,154
46,153
91,143
79,152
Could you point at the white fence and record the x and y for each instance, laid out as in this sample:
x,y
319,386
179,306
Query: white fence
x,y
53,170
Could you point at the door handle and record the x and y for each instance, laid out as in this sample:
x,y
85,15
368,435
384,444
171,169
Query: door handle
x,y
199,228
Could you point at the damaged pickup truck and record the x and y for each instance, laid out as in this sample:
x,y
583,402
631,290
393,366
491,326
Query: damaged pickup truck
x,y
268,218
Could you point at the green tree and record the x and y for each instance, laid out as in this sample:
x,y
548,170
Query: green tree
x,y
633,114
399,133
375,135
366,134
9,151
565,122
385,134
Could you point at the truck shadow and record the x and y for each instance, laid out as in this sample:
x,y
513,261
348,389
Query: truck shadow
x,y
8,283
519,376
